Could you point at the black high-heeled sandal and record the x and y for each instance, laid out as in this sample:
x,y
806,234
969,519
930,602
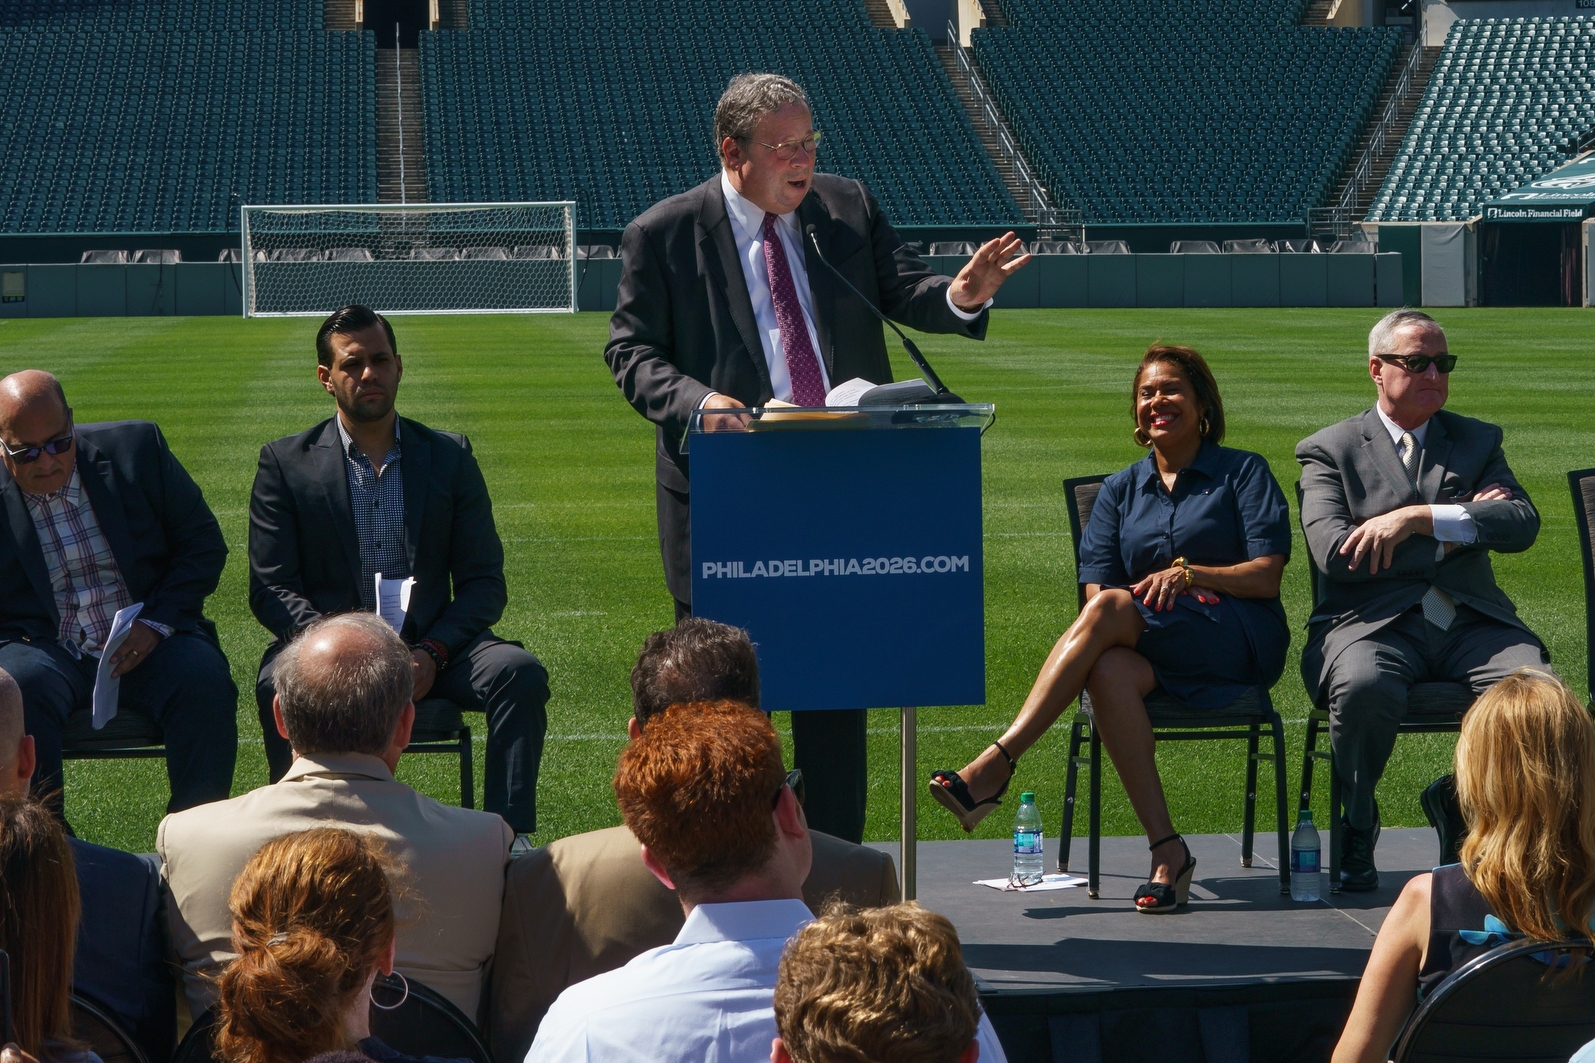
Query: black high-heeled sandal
x,y
953,794
1168,897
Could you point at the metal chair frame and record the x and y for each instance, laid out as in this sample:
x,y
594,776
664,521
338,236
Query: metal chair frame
x,y
100,1015
1171,722
446,740
1583,511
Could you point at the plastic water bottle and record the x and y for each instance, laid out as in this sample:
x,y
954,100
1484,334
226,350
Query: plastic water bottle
x,y
1027,859
1304,862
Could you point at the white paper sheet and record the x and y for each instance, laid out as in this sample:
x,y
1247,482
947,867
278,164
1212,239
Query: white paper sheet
x,y
1048,882
393,599
108,688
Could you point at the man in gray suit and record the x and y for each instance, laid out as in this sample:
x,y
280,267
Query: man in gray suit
x,y
1401,506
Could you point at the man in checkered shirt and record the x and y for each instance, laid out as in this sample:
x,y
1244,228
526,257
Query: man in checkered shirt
x,y
98,517
366,492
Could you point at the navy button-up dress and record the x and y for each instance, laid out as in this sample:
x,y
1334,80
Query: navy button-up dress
x,y
1225,508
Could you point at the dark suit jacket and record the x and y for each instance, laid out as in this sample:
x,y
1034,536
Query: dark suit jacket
x,y
1352,473
164,537
120,961
304,556
585,904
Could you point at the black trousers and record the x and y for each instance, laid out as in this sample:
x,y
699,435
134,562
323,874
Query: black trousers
x,y
185,686
832,748
491,676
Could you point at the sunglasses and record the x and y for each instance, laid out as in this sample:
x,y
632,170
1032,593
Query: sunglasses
x,y
29,455
794,779
1418,363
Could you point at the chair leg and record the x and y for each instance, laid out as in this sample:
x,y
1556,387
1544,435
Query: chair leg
x,y
467,779
1282,820
1249,819
1334,825
1066,834
1094,842
1309,754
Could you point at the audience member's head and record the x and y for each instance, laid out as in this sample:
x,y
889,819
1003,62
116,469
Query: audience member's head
x,y
1525,773
16,746
357,361
697,660
38,925
36,426
344,686
704,791
1408,397
878,985
313,925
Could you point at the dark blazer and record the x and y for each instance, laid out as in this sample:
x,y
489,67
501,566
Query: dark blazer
x,y
683,324
164,537
304,557
1352,473
120,961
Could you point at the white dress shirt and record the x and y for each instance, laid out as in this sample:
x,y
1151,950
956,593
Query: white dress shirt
x,y
1452,523
708,997
747,226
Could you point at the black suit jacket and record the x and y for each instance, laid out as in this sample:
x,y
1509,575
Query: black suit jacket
x,y
120,962
164,537
304,556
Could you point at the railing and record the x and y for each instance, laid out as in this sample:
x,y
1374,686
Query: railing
x,y
1037,205
1339,217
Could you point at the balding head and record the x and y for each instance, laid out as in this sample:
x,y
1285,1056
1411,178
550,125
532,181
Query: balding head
x,y
16,749
33,412
29,389
343,685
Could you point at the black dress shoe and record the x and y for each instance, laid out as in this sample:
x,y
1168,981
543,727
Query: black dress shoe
x,y
1357,873
1440,805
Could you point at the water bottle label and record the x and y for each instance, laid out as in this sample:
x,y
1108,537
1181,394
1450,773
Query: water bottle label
x,y
1304,861
1026,843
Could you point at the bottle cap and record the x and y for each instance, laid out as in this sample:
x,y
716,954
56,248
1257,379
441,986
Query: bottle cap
x,y
1027,797
1304,816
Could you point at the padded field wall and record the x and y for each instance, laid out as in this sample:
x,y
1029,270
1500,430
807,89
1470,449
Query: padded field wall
x,y
184,289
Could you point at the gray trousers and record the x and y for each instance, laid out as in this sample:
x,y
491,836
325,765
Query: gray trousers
x,y
1369,681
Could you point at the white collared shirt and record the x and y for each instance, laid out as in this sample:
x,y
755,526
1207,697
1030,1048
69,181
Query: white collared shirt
x,y
1452,523
708,997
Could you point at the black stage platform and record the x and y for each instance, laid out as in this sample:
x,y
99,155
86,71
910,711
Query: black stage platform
x,y
1244,973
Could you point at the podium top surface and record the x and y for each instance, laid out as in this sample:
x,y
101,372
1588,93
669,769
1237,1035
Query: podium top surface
x,y
840,418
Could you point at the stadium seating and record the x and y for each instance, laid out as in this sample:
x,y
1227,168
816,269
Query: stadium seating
x,y
618,118
1503,94
117,132
650,15
1214,112
189,16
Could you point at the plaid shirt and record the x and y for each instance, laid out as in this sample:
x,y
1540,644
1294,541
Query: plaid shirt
x,y
88,587
377,496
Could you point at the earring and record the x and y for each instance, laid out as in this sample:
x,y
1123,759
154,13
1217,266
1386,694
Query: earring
x,y
1140,436
1202,426
390,1007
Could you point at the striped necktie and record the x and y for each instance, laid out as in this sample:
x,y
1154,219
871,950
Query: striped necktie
x,y
1438,608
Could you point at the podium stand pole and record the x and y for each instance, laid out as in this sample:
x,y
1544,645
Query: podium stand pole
x,y
908,846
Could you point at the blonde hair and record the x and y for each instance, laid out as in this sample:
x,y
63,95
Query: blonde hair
x,y
313,913
881,985
1525,771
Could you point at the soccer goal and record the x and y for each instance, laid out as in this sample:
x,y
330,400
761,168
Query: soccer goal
x,y
423,258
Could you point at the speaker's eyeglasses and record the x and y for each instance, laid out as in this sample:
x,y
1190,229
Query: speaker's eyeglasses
x,y
29,455
794,779
1418,363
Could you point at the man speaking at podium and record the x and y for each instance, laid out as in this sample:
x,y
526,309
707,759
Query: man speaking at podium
x,y
706,318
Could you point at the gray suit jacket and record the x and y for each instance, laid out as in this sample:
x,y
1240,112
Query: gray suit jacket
x,y
585,904
1352,473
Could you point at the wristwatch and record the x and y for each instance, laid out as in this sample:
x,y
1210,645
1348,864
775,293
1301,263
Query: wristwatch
x,y
1186,566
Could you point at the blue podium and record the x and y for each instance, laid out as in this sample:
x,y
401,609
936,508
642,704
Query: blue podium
x,y
848,543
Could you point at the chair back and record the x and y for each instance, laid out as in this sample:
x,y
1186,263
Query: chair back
x,y
1507,1004
1080,495
1582,484
425,1024
94,1026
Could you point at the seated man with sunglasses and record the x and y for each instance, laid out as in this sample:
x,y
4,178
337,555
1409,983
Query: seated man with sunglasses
x,y
1401,506
98,517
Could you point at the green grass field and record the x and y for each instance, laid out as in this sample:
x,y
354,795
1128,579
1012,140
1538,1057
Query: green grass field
x,y
571,471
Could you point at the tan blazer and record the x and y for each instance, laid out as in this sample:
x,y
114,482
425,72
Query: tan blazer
x,y
585,904
454,859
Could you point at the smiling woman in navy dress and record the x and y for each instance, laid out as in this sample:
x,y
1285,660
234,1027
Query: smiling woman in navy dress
x,y
1181,560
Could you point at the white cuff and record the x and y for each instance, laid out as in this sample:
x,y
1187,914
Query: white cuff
x,y
964,314
160,629
705,399
1453,524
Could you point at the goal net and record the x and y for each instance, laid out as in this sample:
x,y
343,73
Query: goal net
x,y
425,258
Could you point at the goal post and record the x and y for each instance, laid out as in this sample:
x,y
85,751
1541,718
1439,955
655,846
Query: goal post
x,y
420,258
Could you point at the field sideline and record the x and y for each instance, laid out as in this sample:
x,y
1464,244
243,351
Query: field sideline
x,y
571,471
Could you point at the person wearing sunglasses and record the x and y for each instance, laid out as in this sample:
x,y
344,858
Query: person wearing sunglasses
x,y
97,518
1401,506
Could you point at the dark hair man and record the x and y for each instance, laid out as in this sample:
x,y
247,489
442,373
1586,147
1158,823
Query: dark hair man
x,y
1401,506
367,492
99,517
707,317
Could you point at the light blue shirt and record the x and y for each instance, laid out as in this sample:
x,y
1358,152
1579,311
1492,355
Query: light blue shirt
x,y
708,997
1585,1054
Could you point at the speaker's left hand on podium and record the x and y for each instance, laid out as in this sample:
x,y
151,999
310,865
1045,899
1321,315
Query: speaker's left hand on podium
x,y
723,422
995,262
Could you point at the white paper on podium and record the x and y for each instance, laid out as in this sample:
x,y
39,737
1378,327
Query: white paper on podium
x,y
108,688
1048,882
393,599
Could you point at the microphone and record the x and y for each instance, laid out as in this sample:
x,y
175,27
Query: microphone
x,y
913,352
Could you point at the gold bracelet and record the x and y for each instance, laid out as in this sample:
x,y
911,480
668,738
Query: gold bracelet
x,y
1186,566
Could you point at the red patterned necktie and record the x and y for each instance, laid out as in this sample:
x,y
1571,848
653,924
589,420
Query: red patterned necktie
x,y
802,366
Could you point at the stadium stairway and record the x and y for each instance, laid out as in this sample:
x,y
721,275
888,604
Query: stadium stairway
x,y
400,83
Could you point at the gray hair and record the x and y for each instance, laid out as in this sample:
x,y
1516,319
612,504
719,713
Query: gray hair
x,y
1383,334
343,683
748,98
